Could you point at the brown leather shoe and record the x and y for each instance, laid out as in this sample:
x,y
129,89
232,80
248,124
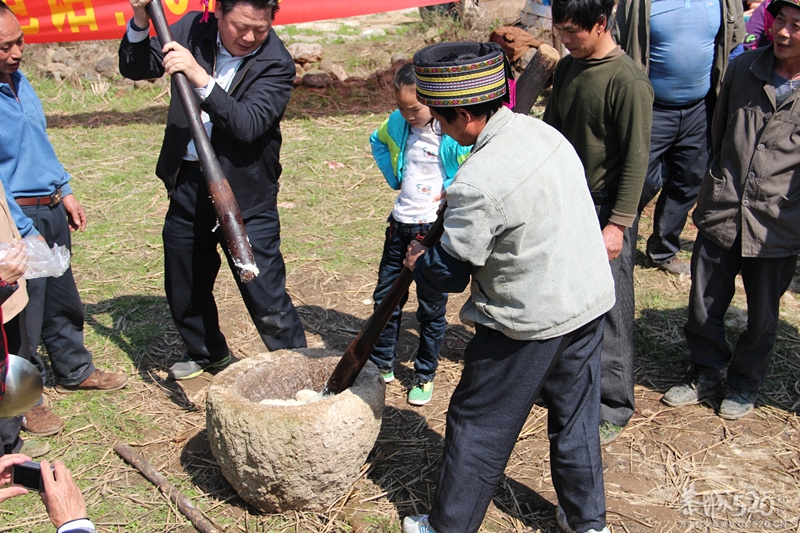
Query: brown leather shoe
x,y
41,421
97,380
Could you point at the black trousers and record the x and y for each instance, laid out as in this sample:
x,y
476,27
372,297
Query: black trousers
x,y
54,313
501,379
10,442
714,271
617,400
191,264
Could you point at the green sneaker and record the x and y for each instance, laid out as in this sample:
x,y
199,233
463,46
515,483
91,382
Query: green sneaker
x,y
420,393
609,432
388,377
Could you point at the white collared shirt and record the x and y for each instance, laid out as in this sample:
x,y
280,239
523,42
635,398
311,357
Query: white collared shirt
x,y
225,68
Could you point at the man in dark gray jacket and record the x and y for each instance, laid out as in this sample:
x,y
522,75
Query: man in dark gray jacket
x,y
748,220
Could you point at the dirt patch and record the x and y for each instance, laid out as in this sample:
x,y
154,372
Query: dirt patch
x,y
671,469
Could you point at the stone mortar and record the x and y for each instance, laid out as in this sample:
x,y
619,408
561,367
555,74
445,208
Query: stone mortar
x,y
281,458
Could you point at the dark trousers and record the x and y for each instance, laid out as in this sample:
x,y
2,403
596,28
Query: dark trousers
x,y
679,142
714,271
10,442
54,313
191,264
617,398
501,379
430,313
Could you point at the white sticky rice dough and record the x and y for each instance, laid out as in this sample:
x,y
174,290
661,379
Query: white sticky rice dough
x,y
303,396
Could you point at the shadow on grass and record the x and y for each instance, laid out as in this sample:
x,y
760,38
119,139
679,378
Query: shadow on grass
x,y
141,327
405,465
338,330
99,119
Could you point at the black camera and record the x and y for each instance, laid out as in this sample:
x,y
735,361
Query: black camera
x,y
28,475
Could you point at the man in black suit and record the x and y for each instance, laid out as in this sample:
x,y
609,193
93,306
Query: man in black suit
x,y
242,76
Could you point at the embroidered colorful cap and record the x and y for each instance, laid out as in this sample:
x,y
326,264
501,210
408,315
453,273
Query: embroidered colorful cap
x,y
459,74
775,6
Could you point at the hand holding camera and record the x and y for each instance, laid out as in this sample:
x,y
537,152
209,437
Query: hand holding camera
x,y
7,463
61,497
60,494
28,475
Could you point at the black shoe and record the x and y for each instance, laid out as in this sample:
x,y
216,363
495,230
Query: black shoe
x,y
673,266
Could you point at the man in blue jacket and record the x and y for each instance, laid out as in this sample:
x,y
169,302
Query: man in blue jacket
x,y
242,76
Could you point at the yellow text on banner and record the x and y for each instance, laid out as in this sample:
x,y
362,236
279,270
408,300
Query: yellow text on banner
x,y
64,10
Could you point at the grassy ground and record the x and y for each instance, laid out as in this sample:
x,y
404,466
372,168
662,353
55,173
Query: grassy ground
x,y
672,470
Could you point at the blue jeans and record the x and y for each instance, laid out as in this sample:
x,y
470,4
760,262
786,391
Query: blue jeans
x,y
430,313
501,379
678,161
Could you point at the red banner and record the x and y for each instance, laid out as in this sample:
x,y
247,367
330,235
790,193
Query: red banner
x,y
89,20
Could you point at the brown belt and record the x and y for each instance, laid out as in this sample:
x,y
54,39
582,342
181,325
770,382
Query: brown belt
x,y
51,200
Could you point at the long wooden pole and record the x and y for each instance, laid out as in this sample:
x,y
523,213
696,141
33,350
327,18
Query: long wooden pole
x,y
356,355
228,214
534,79
182,502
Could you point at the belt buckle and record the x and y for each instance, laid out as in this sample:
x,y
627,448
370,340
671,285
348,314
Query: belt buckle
x,y
55,198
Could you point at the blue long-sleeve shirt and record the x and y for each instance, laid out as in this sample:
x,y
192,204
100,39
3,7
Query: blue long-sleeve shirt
x,y
28,163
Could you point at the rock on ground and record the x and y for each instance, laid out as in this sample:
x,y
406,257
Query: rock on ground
x,y
304,53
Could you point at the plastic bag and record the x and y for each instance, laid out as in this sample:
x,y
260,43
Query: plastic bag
x,y
42,261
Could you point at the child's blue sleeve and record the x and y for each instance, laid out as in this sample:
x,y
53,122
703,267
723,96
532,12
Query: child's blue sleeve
x,y
382,155
452,155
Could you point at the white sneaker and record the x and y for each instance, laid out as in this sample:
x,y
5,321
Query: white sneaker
x,y
563,524
417,524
